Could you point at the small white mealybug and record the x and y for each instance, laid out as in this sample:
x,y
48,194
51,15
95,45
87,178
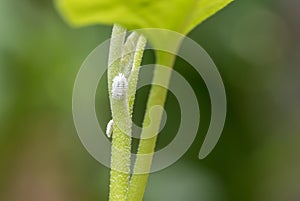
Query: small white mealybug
x,y
119,86
109,128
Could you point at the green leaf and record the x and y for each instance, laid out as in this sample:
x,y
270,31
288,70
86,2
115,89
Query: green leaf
x,y
177,15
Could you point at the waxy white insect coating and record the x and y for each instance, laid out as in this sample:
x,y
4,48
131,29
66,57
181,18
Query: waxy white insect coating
x,y
119,87
109,128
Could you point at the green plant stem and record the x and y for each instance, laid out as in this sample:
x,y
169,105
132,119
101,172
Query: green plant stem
x,y
121,142
123,58
133,78
157,96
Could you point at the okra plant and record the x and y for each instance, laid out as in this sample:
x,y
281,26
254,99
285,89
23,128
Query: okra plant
x,y
125,55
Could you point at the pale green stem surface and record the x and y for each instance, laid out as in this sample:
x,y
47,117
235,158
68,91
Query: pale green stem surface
x,y
121,142
157,96
120,187
123,58
133,78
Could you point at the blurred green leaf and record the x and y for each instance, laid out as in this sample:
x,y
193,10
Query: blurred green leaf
x,y
177,15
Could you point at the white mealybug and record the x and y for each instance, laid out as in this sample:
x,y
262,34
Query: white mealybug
x,y
109,128
119,86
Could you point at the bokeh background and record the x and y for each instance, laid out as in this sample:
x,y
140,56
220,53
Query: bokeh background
x,y
254,43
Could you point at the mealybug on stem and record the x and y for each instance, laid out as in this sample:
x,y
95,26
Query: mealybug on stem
x,y
119,87
109,128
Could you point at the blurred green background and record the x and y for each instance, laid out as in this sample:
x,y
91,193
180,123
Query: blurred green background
x,y
256,46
